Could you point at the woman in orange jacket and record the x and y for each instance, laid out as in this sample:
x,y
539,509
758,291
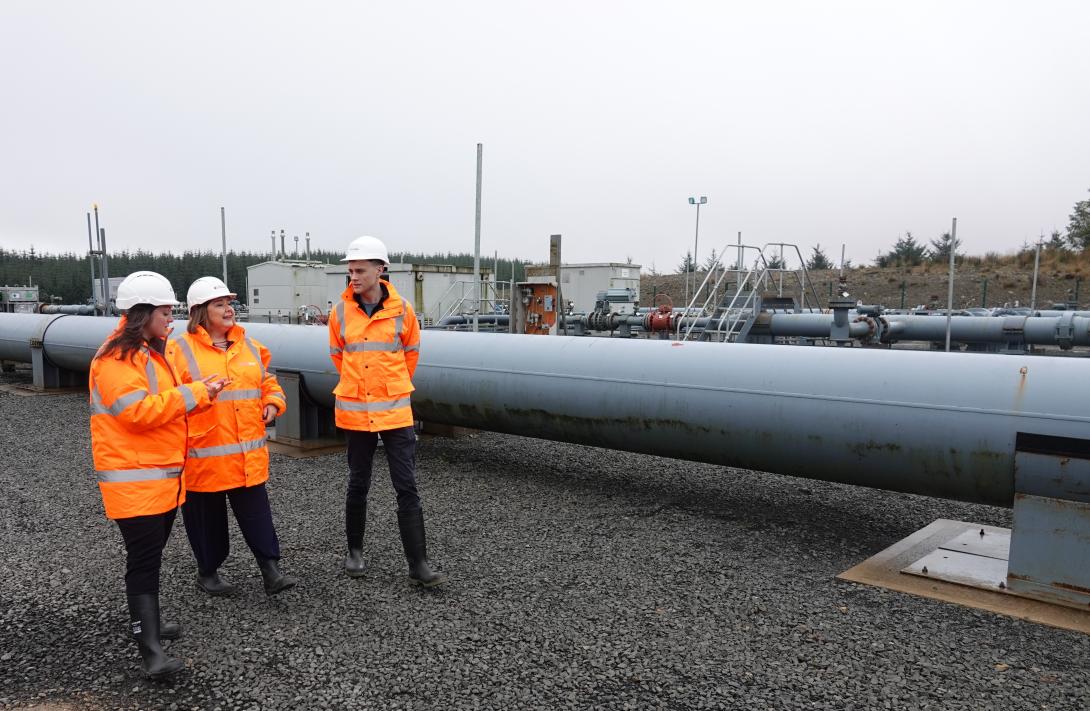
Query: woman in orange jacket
x,y
138,440
228,458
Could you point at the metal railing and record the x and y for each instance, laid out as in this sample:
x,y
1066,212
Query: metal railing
x,y
748,284
458,305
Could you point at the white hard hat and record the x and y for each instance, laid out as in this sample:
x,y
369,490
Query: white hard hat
x,y
366,247
205,289
145,288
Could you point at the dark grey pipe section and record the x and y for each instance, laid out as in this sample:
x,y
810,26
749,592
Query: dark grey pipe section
x,y
496,319
808,325
69,309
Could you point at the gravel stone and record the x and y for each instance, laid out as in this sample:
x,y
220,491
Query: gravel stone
x,y
580,578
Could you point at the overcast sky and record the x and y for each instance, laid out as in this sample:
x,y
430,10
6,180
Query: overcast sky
x,y
807,122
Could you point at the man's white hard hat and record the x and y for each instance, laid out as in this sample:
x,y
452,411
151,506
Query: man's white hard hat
x,y
145,288
366,247
205,289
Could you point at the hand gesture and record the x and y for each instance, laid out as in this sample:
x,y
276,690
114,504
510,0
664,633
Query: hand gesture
x,y
269,414
215,384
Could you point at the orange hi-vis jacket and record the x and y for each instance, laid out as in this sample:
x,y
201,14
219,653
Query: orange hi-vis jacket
x,y
138,430
227,447
376,357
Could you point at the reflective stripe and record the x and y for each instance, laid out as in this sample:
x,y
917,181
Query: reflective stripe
x,y
99,408
253,394
225,449
357,406
257,356
339,309
278,396
385,346
412,348
149,371
188,396
190,359
372,346
127,475
334,351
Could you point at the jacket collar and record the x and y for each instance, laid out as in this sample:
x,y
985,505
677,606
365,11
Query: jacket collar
x,y
234,334
391,305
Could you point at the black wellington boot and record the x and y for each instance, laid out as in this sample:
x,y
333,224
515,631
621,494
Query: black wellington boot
x,y
275,581
170,630
355,521
144,617
411,525
214,585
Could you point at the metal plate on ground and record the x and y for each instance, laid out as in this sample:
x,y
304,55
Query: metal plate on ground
x,y
884,570
996,544
978,571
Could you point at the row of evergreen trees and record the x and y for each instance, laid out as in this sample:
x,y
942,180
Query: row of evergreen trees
x,y
66,278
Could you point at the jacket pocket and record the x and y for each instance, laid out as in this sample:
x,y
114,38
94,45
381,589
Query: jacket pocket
x,y
346,389
399,387
202,424
159,458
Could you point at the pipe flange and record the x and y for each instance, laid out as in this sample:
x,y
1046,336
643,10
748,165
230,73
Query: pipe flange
x,y
1065,330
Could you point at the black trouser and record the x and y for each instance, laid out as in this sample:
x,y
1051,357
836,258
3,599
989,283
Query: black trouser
x,y
145,537
400,446
205,516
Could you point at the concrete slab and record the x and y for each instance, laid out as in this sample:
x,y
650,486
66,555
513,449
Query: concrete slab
x,y
884,570
28,390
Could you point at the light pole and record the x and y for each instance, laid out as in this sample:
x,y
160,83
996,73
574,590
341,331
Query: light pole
x,y
696,244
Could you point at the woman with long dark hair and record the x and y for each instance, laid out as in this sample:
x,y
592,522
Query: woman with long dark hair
x,y
138,439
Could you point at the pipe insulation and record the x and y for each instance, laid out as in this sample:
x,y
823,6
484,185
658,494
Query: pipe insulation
x,y
938,424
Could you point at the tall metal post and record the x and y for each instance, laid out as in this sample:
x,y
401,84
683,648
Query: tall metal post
x,y
696,249
1036,267
223,232
556,259
782,265
105,268
91,262
477,241
739,265
950,286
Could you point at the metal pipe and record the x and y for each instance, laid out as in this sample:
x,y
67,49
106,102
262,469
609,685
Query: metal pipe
x,y
91,259
945,426
105,272
223,231
950,285
497,319
1036,269
477,241
70,309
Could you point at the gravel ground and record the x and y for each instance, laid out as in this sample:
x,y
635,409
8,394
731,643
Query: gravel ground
x,y
581,578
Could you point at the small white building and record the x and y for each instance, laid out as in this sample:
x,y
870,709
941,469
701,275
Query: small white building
x,y
434,290
282,290
18,299
580,283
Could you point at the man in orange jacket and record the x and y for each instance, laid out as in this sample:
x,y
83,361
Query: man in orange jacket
x,y
374,341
